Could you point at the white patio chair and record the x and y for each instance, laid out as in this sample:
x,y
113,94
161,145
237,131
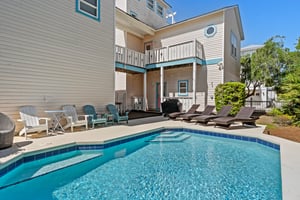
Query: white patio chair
x,y
73,118
32,123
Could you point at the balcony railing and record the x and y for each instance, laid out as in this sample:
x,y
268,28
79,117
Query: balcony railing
x,y
174,52
130,57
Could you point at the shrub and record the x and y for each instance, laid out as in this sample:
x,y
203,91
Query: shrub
x,y
283,120
232,93
275,112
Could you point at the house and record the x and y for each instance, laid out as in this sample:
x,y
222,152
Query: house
x,y
79,51
54,53
190,57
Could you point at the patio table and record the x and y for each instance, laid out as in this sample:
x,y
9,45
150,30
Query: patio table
x,y
56,117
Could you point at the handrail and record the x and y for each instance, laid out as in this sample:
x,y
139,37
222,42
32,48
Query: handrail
x,y
178,51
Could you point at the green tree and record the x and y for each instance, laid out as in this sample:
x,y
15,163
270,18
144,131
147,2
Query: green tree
x,y
265,66
290,88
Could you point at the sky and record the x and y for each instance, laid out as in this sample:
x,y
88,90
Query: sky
x,y
261,19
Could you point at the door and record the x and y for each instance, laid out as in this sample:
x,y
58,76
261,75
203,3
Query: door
x,y
148,46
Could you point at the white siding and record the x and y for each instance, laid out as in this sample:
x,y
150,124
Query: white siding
x,y
51,55
146,15
214,77
120,81
122,4
120,37
231,64
213,46
135,86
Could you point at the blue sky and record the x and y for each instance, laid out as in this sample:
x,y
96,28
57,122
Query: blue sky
x,y
261,19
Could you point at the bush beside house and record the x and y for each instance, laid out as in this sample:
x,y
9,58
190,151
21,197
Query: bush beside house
x,y
232,93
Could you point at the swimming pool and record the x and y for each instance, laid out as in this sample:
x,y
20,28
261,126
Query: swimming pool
x,y
179,165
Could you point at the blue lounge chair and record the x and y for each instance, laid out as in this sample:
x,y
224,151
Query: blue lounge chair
x,y
94,118
114,111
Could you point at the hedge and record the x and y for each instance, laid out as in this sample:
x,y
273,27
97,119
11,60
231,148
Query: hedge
x,y
232,93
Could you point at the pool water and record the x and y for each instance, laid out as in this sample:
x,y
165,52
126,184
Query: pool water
x,y
198,167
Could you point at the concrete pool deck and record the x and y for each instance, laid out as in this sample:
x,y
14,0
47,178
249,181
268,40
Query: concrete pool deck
x,y
289,151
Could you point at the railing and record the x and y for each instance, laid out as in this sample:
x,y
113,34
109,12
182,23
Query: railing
x,y
262,105
130,57
174,52
259,105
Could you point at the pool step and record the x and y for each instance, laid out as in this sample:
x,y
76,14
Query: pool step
x,y
170,135
65,163
42,168
180,138
166,132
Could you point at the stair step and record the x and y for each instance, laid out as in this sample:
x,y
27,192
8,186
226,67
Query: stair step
x,y
172,139
170,135
65,163
45,166
167,132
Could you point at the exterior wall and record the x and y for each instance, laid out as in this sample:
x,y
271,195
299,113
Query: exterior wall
x,y
120,81
191,30
135,43
219,66
52,55
145,14
231,64
135,87
120,38
214,78
122,4
209,75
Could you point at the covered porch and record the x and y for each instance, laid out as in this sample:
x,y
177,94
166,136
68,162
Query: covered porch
x,y
142,69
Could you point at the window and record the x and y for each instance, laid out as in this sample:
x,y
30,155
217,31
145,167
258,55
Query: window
x,y
233,41
210,31
150,4
160,10
90,8
133,14
183,88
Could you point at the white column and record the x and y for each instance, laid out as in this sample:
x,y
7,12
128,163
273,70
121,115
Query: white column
x,y
161,85
194,80
145,106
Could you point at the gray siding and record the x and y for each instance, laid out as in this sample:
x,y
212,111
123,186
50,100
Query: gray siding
x,y
51,55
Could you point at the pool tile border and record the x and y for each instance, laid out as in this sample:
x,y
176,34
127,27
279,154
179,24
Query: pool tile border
x,y
28,158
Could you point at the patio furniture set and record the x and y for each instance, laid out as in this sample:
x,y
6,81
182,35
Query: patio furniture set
x,y
67,117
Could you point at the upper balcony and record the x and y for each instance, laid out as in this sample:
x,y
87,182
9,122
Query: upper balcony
x,y
190,49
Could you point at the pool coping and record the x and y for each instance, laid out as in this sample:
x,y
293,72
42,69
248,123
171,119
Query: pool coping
x,y
289,151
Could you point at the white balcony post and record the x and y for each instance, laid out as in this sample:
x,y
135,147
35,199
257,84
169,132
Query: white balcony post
x,y
161,85
194,80
145,103
195,48
167,54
